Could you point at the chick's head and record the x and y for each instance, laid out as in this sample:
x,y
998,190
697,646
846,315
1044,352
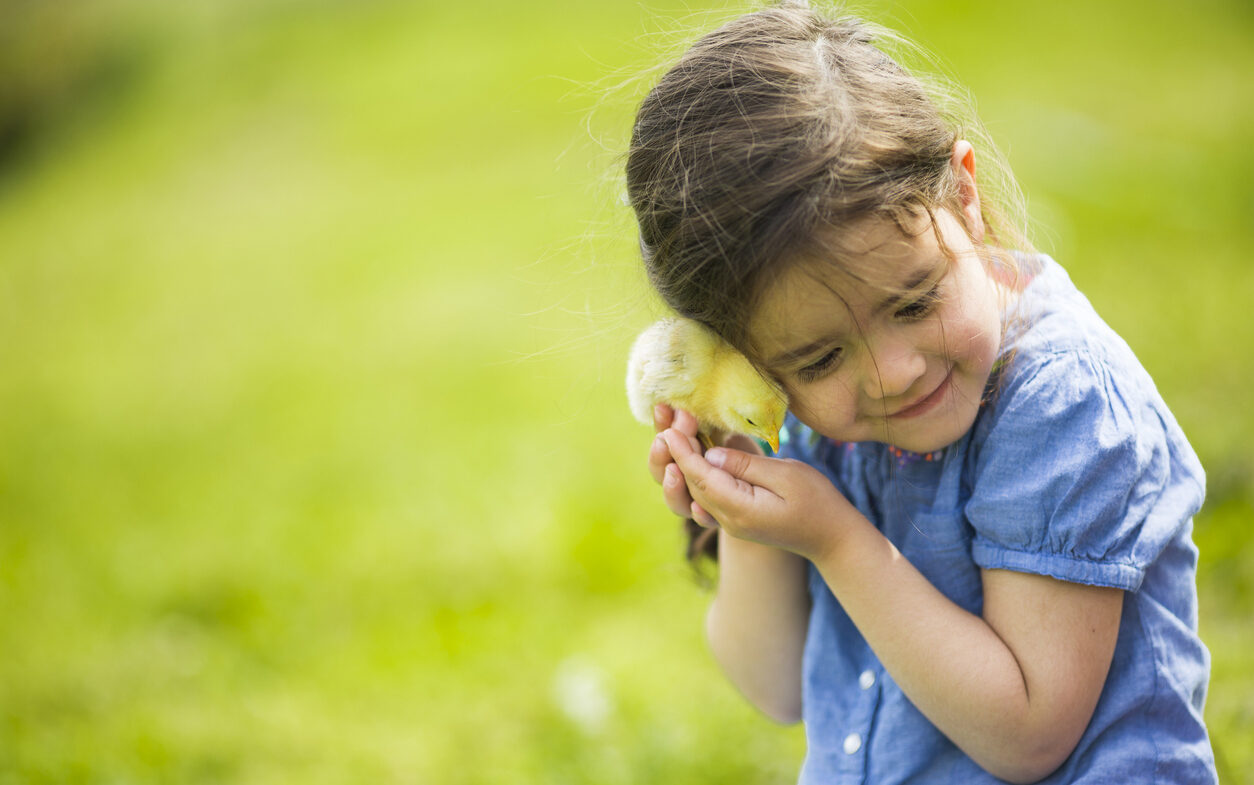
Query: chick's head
x,y
684,364
748,402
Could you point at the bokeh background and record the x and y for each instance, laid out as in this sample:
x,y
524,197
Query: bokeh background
x,y
315,464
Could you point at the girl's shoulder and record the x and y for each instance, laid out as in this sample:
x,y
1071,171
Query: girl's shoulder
x,y
1071,394
1051,316
1076,468
1058,352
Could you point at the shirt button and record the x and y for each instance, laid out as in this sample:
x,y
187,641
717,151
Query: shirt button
x,y
853,743
867,680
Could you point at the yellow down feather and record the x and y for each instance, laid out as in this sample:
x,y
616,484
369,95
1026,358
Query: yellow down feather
x,y
682,363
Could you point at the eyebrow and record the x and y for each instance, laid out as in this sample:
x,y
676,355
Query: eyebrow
x,y
791,355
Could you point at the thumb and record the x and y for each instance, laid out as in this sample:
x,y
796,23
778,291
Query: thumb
x,y
754,469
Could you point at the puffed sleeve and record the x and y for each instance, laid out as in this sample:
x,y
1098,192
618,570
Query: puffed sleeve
x,y
1075,477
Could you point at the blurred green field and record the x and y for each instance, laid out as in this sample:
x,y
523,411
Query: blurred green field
x,y
316,465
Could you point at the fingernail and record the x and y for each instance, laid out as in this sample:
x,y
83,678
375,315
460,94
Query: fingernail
x,y
716,456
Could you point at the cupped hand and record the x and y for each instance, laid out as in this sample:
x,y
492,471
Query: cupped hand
x,y
664,470
662,466
783,503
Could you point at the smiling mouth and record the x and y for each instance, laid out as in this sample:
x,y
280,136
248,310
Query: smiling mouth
x,y
927,402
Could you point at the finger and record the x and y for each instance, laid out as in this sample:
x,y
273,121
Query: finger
x,y
703,518
675,492
659,457
663,416
754,468
685,423
716,490
680,443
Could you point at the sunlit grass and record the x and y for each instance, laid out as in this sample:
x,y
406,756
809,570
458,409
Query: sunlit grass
x,y
316,464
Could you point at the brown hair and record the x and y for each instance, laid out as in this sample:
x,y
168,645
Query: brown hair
x,y
770,134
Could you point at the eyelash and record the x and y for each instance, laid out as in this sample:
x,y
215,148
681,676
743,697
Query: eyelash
x,y
819,367
921,307
911,312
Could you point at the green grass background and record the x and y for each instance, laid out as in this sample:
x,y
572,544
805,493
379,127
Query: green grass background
x,y
315,464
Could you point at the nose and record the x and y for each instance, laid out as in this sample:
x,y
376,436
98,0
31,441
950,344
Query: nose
x,y
892,368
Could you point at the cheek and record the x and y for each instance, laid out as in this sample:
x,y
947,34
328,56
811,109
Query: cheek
x,y
974,342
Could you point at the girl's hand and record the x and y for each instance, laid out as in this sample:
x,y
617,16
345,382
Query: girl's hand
x,y
662,466
782,503
666,473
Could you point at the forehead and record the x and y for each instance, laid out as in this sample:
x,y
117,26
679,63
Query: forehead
x,y
836,288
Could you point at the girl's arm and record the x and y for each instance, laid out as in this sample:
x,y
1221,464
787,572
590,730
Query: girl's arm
x,y
757,623
1013,688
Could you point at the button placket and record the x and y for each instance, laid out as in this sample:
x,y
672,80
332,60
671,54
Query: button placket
x,y
852,748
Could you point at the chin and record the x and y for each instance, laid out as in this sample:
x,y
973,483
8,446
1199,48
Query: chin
x,y
942,433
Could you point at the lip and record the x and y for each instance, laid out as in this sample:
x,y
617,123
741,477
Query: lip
x,y
928,402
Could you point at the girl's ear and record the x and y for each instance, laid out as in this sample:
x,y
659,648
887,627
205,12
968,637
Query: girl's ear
x,y
963,163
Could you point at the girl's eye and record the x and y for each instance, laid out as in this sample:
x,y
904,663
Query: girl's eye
x,y
920,307
820,366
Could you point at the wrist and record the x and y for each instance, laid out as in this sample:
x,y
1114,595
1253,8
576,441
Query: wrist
x,y
750,553
840,535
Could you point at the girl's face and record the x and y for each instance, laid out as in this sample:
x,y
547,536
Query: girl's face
x,y
900,356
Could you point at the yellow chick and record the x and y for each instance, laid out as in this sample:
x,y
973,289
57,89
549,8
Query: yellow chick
x,y
682,363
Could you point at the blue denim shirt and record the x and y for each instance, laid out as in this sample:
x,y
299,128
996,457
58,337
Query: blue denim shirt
x,y
1075,469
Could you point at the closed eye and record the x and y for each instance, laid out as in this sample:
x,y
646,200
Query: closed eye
x,y
820,366
921,307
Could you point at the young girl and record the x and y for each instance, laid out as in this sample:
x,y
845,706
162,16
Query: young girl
x,y
972,560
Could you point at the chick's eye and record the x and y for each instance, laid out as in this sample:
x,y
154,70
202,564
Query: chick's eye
x,y
820,366
920,307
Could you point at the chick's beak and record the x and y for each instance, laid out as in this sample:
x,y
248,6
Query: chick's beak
x,y
776,428
771,437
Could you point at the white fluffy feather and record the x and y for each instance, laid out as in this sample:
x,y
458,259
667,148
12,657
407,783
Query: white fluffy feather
x,y
682,363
